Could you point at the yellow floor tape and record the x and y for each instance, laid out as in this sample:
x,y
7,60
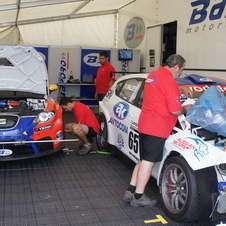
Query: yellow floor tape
x,y
67,150
159,219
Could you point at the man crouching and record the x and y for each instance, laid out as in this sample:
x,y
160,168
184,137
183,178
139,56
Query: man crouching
x,y
86,126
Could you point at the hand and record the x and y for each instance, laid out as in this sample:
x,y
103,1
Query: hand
x,y
68,127
68,130
186,91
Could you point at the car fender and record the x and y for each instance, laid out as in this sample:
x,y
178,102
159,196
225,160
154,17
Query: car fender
x,y
198,154
157,170
53,128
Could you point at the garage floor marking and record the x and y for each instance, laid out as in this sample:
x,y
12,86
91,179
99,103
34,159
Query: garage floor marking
x,y
159,219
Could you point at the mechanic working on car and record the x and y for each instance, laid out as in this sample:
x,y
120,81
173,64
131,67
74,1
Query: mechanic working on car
x,y
104,79
86,126
160,109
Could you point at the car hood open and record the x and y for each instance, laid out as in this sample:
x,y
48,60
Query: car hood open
x,y
23,69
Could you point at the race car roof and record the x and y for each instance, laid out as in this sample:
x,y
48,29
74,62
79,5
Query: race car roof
x,y
193,79
187,79
22,68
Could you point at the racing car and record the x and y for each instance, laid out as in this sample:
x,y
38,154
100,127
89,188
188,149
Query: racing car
x,y
192,174
31,122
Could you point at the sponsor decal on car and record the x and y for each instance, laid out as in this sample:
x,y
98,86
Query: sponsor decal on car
x,y
133,141
121,110
184,124
2,121
118,125
201,148
120,141
5,152
134,126
42,128
183,144
197,145
109,94
203,88
57,122
59,135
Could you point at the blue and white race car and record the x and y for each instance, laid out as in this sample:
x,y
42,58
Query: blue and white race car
x,y
192,173
31,122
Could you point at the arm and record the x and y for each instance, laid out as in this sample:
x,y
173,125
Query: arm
x,y
95,96
183,110
112,77
112,81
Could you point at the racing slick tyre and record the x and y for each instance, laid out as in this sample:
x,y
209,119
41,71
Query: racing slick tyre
x,y
102,136
179,190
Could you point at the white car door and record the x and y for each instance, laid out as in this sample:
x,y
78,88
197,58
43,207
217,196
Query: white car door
x,y
128,110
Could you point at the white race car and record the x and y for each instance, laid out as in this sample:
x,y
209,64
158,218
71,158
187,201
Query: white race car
x,y
192,173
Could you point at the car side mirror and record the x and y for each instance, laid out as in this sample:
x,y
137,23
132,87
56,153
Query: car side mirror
x,y
52,88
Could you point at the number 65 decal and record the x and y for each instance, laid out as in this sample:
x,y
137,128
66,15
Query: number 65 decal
x,y
133,141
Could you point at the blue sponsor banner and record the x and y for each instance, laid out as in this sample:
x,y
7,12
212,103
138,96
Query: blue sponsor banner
x,y
89,65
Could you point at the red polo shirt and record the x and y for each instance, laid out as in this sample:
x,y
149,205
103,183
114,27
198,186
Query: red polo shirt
x,y
161,97
103,78
84,115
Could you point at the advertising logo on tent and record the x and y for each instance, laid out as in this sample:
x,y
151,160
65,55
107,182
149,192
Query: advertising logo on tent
x,y
63,72
92,59
207,15
134,32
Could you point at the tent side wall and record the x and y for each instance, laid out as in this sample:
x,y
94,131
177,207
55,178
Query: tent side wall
x,y
95,31
9,35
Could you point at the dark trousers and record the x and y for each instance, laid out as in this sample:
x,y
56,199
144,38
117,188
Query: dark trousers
x,y
100,96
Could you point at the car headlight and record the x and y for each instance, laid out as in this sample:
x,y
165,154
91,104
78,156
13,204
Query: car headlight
x,y
44,116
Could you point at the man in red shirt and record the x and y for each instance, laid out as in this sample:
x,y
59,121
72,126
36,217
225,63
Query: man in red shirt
x,y
160,109
104,79
86,126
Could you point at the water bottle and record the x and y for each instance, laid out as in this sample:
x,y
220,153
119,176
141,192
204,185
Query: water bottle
x,y
71,75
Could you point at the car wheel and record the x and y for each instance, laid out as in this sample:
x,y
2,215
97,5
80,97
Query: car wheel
x,y
179,191
102,136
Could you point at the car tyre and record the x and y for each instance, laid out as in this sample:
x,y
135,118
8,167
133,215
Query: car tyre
x,y
179,190
102,136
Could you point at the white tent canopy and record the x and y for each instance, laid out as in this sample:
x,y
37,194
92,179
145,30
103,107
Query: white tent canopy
x,y
60,22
